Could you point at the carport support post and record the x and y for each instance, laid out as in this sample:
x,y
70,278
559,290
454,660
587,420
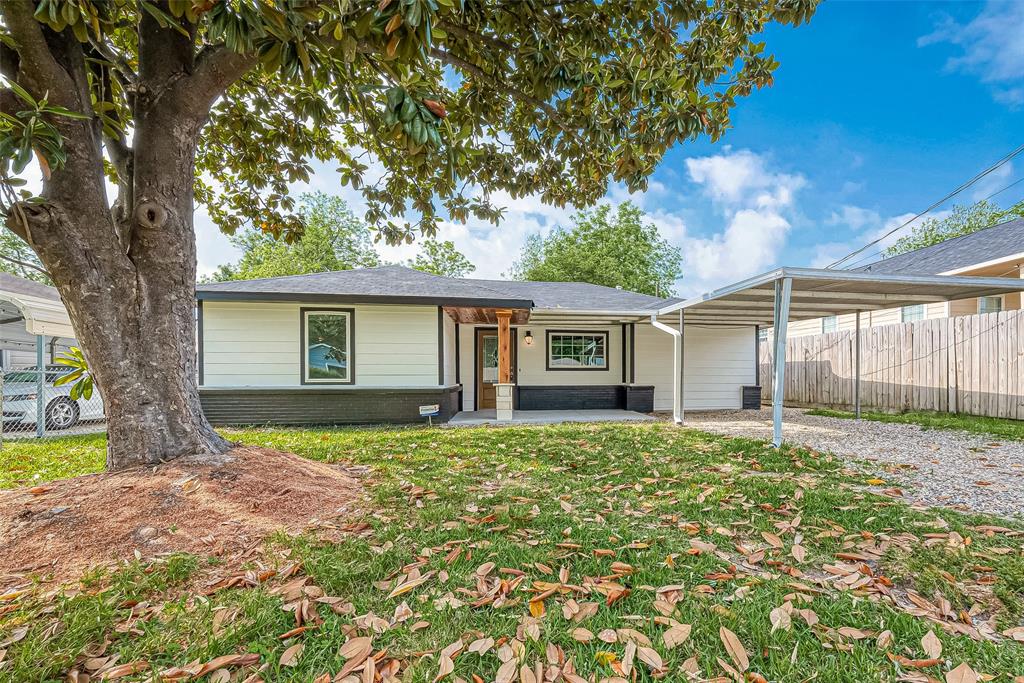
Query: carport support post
x,y
682,366
856,366
40,386
783,293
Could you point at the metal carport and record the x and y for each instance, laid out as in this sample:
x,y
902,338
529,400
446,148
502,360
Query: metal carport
x,y
779,296
44,316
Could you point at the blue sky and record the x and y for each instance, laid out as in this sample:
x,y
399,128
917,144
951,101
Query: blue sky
x,y
878,110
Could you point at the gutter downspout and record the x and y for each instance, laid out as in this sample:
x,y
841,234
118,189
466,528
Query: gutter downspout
x,y
677,347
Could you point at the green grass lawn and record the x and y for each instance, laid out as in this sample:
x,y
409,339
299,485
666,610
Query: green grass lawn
x,y
638,529
993,426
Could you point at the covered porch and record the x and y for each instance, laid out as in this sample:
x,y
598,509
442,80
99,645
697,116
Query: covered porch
x,y
790,294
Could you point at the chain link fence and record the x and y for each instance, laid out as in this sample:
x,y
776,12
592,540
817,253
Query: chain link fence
x,y
33,406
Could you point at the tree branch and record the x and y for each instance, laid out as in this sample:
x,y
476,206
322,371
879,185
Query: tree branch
x,y
24,264
546,107
466,34
36,62
216,69
117,60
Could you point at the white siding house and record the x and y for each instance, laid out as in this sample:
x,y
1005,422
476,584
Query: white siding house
x,y
389,340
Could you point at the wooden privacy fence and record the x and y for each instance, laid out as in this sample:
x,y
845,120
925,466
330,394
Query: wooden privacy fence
x,y
969,364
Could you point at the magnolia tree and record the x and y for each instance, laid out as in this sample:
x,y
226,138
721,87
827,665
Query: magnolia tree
x,y
227,102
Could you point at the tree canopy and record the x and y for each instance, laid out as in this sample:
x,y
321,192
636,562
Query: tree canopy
x,y
615,249
426,107
962,221
333,239
441,258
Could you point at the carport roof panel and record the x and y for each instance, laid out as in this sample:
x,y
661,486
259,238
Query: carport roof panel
x,y
818,292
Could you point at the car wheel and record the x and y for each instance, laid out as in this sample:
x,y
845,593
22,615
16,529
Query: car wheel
x,y
62,414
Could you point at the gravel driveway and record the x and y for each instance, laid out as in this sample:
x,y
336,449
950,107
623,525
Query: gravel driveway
x,y
936,467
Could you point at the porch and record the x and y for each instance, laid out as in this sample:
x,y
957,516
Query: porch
x,y
476,418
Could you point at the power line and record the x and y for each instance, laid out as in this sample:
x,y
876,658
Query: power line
x,y
949,196
880,252
1016,182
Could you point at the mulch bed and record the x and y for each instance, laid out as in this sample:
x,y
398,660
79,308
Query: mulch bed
x,y
203,506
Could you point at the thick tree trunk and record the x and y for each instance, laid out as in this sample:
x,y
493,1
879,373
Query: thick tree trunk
x,y
131,293
127,278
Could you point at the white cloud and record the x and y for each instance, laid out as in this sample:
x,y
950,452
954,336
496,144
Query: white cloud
x,y
756,203
993,48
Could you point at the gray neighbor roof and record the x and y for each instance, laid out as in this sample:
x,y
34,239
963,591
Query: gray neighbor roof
x,y
20,285
398,284
989,244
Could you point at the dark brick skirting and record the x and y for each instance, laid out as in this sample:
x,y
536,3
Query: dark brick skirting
x,y
586,397
325,406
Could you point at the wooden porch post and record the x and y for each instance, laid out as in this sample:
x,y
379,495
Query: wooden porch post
x,y
503,389
504,347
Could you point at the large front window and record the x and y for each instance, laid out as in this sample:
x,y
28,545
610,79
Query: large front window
x,y
577,350
327,345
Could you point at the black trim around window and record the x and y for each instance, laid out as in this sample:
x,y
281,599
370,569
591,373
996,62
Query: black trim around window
x,y
304,350
580,368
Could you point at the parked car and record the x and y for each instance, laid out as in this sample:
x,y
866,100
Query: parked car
x,y
20,389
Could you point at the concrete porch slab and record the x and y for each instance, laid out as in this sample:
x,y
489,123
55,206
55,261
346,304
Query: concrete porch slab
x,y
475,418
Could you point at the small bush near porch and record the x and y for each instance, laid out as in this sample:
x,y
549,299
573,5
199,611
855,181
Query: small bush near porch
x,y
601,552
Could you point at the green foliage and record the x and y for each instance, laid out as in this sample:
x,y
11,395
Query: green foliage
x,y
963,221
80,374
333,239
441,258
30,131
523,97
17,258
604,248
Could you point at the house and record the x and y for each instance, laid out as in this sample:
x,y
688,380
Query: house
x,y
33,321
997,251
374,344
380,344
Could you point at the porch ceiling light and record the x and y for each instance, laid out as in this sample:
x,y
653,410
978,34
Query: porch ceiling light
x,y
528,338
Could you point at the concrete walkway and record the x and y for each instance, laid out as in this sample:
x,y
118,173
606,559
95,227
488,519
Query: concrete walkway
x,y
475,418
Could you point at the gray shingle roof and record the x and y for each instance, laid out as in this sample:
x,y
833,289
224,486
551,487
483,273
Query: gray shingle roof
x,y
580,296
398,284
992,243
19,285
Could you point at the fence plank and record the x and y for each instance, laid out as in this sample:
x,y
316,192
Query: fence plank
x,y
971,364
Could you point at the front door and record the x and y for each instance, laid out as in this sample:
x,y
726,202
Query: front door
x,y
487,367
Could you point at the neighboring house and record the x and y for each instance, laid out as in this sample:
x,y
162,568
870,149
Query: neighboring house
x,y
375,344
997,251
19,296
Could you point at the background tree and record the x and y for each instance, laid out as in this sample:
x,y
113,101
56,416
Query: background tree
x,y
17,258
169,99
962,221
334,238
441,258
612,249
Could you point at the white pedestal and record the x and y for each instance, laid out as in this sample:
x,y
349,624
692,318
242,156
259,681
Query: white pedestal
x,y
503,402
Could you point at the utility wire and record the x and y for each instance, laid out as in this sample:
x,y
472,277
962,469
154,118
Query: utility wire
x,y
949,196
881,252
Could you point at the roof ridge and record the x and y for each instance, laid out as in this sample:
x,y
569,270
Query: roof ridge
x,y
315,273
568,282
